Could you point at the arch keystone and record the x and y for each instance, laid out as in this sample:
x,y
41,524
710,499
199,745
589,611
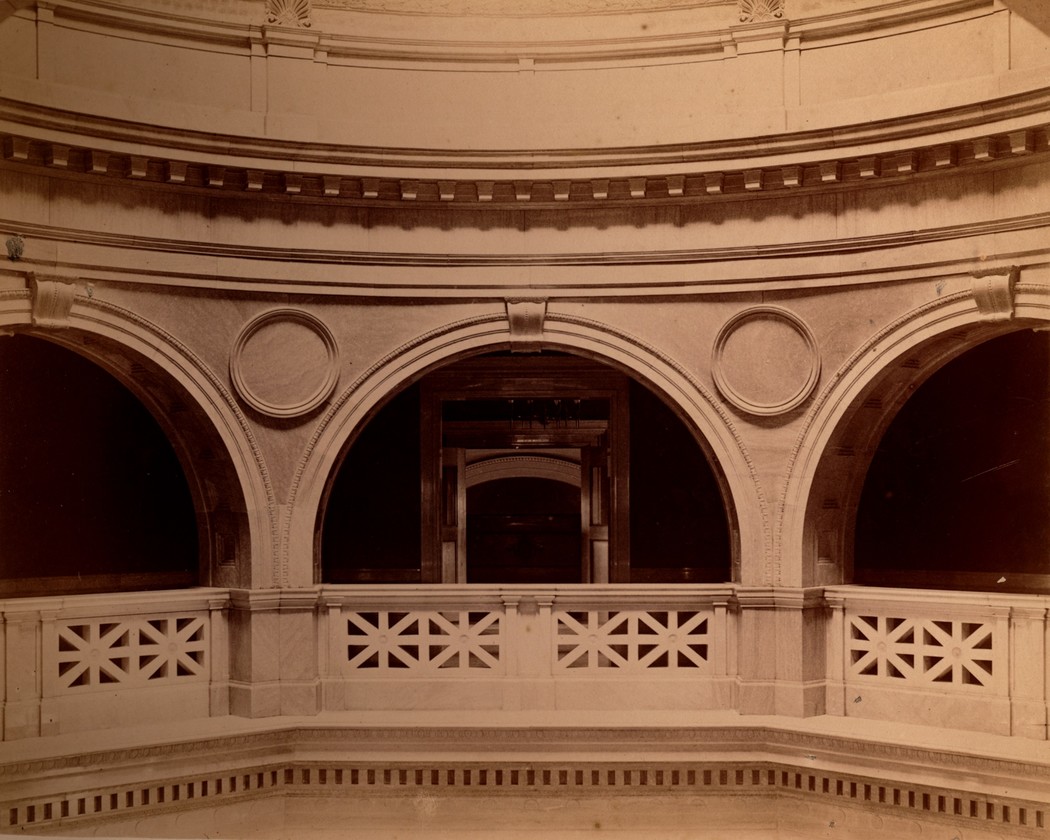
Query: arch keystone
x,y
993,291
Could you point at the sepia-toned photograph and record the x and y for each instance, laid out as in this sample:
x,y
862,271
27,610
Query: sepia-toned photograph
x,y
511,419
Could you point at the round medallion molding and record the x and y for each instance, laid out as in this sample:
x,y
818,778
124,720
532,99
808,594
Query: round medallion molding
x,y
765,361
285,363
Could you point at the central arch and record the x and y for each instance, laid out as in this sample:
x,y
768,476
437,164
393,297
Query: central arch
x,y
676,388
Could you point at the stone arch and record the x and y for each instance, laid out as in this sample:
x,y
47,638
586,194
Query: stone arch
x,y
816,514
223,468
523,466
689,399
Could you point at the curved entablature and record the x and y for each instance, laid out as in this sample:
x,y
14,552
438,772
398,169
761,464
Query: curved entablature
x,y
512,184
294,112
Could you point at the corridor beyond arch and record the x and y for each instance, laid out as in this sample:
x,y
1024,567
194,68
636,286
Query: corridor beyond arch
x,y
650,505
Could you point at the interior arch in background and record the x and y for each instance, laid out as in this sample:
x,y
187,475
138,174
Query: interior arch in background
x,y
113,479
677,518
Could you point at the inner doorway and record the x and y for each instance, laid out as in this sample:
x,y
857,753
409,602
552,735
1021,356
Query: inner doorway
x,y
525,465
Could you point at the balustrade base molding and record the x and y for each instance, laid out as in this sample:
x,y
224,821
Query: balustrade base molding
x,y
305,777
780,660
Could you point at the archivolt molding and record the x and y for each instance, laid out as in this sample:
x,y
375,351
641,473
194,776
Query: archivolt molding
x,y
832,405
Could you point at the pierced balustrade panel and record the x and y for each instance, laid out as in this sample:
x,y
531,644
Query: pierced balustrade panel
x,y
633,640
439,642
924,652
128,652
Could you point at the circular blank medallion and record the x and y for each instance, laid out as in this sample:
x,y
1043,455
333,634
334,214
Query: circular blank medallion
x,y
765,361
285,363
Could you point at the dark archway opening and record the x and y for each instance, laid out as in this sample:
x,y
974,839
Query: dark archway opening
x,y
671,518
523,530
92,495
958,493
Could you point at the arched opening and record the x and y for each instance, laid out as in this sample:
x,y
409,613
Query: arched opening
x,y
92,494
958,491
507,468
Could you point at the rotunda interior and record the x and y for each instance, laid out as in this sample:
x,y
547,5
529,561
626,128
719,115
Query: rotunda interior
x,y
426,418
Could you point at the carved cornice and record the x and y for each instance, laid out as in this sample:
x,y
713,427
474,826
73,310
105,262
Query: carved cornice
x,y
581,761
704,180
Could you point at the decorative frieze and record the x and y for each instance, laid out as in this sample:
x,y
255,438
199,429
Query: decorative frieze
x,y
15,247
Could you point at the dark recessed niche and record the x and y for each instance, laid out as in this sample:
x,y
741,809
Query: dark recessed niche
x,y
92,495
958,493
